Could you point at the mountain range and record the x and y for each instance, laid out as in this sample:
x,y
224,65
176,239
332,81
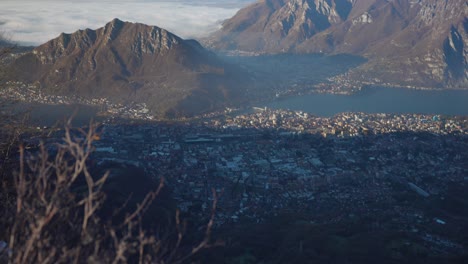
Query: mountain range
x,y
132,62
407,42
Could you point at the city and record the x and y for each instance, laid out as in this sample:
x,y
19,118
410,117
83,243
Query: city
x,y
263,162
350,167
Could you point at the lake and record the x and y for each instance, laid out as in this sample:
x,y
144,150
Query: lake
x,y
379,100
371,100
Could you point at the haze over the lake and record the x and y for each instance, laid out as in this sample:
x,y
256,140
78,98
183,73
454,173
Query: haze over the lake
x,y
33,22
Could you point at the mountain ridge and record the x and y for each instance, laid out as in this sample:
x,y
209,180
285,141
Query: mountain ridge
x,y
125,62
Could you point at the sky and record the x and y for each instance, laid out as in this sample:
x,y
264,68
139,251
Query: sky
x,y
33,22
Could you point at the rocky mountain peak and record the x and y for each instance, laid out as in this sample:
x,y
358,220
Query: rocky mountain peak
x,y
312,16
142,39
112,29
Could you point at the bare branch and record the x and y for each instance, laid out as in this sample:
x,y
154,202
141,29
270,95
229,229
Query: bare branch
x,y
141,208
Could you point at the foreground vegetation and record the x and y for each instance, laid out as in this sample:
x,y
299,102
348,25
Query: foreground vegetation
x,y
54,210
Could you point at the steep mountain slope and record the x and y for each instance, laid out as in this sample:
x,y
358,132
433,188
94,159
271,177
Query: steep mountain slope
x,y
422,43
411,42
279,25
131,62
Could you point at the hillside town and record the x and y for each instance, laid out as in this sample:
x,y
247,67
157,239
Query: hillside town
x,y
29,93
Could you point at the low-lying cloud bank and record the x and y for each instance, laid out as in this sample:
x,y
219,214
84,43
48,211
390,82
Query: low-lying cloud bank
x,y
33,22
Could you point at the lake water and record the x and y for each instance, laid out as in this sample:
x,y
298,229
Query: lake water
x,y
372,100
379,100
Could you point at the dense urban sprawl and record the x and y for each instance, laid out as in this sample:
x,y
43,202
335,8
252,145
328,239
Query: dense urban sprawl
x,y
350,166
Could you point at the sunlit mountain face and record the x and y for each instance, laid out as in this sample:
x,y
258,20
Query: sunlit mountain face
x,y
407,42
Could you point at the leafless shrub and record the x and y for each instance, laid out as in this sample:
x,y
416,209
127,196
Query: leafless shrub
x,y
57,222
11,129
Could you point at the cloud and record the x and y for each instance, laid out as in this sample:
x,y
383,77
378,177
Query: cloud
x,y
34,22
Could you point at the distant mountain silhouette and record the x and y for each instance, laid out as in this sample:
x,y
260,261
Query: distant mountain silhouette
x,y
126,62
412,42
